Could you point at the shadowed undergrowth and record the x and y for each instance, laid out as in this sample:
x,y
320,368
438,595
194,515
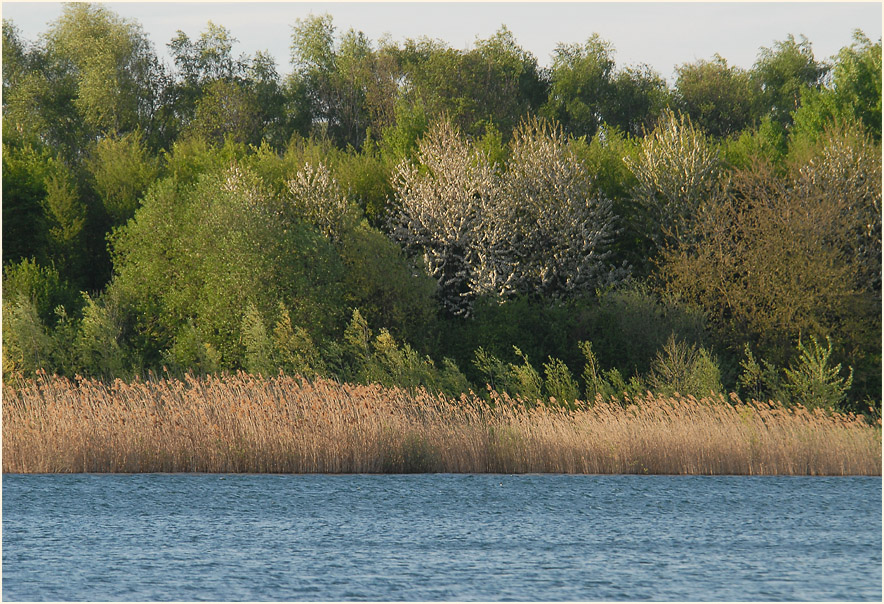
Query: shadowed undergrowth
x,y
242,423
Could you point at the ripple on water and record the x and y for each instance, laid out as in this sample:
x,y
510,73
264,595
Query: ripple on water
x,y
440,537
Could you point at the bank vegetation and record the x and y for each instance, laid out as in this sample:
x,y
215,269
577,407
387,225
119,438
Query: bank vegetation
x,y
240,423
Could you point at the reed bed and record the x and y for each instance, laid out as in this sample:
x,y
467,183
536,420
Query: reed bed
x,y
241,423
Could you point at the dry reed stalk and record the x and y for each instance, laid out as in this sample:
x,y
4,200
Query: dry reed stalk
x,y
241,423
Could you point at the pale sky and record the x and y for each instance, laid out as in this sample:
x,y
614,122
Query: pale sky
x,y
662,35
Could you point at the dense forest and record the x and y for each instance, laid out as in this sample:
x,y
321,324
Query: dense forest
x,y
409,214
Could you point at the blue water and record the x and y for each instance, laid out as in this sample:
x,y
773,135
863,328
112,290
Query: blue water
x,y
440,537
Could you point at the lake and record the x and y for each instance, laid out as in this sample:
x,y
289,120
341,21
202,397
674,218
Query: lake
x,y
440,537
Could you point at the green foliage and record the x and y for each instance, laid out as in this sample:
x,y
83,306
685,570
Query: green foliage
x,y
366,178
586,92
629,325
242,246
686,369
349,89
721,100
602,384
520,380
66,216
294,351
760,380
25,170
400,138
122,169
258,344
199,255
381,360
116,71
98,343
492,369
559,383
813,381
639,97
27,346
40,285
605,158
497,82
523,380
386,286
580,85
226,110
765,142
190,352
782,72
853,96
191,157
857,81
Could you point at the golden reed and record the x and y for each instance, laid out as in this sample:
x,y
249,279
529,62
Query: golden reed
x,y
242,423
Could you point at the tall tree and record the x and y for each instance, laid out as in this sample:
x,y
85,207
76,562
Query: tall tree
x,y
720,99
117,73
639,96
782,72
581,85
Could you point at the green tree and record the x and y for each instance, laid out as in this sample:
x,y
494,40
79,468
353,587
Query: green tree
x,y
497,82
116,70
347,84
854,93
720,99
122,168
857,81
24,187
581,85
782,72
638,98
813,382
195,257
66,217
226,109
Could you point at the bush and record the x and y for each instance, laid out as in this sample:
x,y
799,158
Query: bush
x,y
605,384
813,382
686,369
628,325
99,340
559,383
381,360
27,346
42,285
201,255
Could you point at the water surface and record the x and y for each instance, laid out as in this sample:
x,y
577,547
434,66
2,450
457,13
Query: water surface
x,y
440,537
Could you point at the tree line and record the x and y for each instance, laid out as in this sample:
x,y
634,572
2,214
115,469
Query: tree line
x,y
407,213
